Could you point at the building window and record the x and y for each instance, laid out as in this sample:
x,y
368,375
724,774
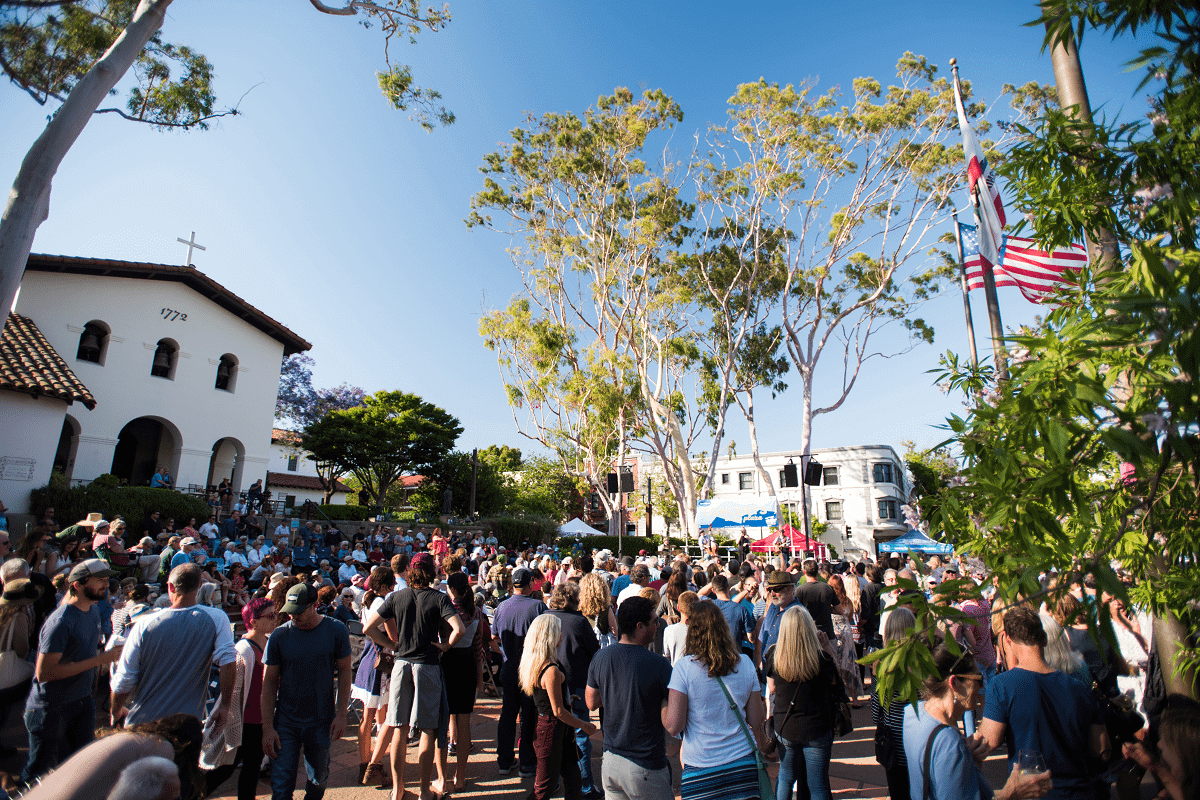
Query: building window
x,y
833,511
724,477
887,508
293,463
289,501
227,373
166,354
594,503
830,476
884,473
745,480
782,480
93,343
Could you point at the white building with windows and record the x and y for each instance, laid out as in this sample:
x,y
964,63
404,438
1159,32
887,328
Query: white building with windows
x,y
861,491
292,475
176,371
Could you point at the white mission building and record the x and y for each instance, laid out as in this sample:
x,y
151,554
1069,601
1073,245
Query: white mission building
x,y
121,367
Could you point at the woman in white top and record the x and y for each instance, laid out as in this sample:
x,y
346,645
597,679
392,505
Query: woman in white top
x,y
371,687
715,750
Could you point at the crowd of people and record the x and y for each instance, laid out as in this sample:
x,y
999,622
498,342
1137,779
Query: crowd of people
x,y
745,658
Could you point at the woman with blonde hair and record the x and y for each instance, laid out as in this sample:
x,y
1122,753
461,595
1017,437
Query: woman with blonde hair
x,y
543,678
595,603
713,691
802,680
1058,653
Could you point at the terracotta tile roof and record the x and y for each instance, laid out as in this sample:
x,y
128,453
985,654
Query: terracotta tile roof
x,y
28,363
290,480
189,276
411,481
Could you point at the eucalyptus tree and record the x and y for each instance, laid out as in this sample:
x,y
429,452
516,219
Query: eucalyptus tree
x,y
71,54
854,189
597,351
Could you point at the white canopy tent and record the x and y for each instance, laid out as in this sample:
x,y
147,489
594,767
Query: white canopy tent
x,y
577,527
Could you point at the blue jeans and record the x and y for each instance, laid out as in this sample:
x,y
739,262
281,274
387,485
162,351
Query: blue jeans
x,y
55,733
314,740
580,709
806,763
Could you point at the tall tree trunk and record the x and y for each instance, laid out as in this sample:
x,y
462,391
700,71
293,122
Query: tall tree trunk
x,y
748,410
29,200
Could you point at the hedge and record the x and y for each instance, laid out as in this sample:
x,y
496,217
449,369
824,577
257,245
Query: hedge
x,y
133,503
348,512
510,531
630,544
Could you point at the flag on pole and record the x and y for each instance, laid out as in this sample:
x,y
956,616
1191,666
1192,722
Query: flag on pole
x,y
982,183
1021,264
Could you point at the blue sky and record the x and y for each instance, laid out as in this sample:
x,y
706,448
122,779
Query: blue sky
x,y
343,219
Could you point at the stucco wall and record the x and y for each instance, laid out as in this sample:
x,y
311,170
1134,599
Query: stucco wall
x,y
191,409
29,429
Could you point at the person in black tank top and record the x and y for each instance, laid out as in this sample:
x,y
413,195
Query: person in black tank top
x,y
543,679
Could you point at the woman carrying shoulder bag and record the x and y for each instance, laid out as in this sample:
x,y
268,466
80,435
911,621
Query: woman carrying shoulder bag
x,y
713,699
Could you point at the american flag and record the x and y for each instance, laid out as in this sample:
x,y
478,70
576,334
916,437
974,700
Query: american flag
x,y
1022,264
985,195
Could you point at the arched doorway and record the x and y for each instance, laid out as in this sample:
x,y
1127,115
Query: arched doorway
x,y
228,458
68,443
144,445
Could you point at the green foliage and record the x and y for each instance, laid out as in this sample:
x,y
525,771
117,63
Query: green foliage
x,y
354,513
105,481
1087,456
543,488
932,471
454,471
502,458
629,545
47,47
389,435
512,530
132,503
46,50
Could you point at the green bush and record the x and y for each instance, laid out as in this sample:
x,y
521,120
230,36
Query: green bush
x,y
510,531
351,513
132,503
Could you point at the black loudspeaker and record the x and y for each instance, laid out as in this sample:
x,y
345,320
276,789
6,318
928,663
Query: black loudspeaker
x,y
790,481
613,483
812,473
626,482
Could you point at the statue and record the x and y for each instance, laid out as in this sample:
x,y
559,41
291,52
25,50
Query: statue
x,y
447,500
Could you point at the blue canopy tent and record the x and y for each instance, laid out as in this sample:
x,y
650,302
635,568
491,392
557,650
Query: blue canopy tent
x,y
915,541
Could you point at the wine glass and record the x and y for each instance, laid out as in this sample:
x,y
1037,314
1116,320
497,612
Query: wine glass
x,y
1030,762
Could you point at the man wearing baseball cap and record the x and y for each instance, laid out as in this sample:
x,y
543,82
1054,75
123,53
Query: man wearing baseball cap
x,y
511,623
300,710
60,707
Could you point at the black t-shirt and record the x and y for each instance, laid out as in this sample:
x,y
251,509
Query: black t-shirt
x,y
511,622
632,683
808,701
418,614
578,646
819,598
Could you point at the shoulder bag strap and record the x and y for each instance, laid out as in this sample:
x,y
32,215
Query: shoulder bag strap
x,y
737,712
9,632
929,759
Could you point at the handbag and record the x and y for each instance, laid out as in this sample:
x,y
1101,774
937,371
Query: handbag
x,y
839,711
384,661
1119,716
13,669
885,746
766,788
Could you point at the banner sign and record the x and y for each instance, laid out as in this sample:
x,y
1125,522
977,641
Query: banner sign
x,y
728,512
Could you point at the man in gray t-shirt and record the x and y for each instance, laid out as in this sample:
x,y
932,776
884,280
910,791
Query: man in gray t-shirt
x,y
164,668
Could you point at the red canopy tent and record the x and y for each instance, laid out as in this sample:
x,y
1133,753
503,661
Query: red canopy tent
x,y
795,541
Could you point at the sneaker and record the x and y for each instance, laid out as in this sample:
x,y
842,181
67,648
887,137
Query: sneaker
x,y
453,748
505,770
527,773
594,794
